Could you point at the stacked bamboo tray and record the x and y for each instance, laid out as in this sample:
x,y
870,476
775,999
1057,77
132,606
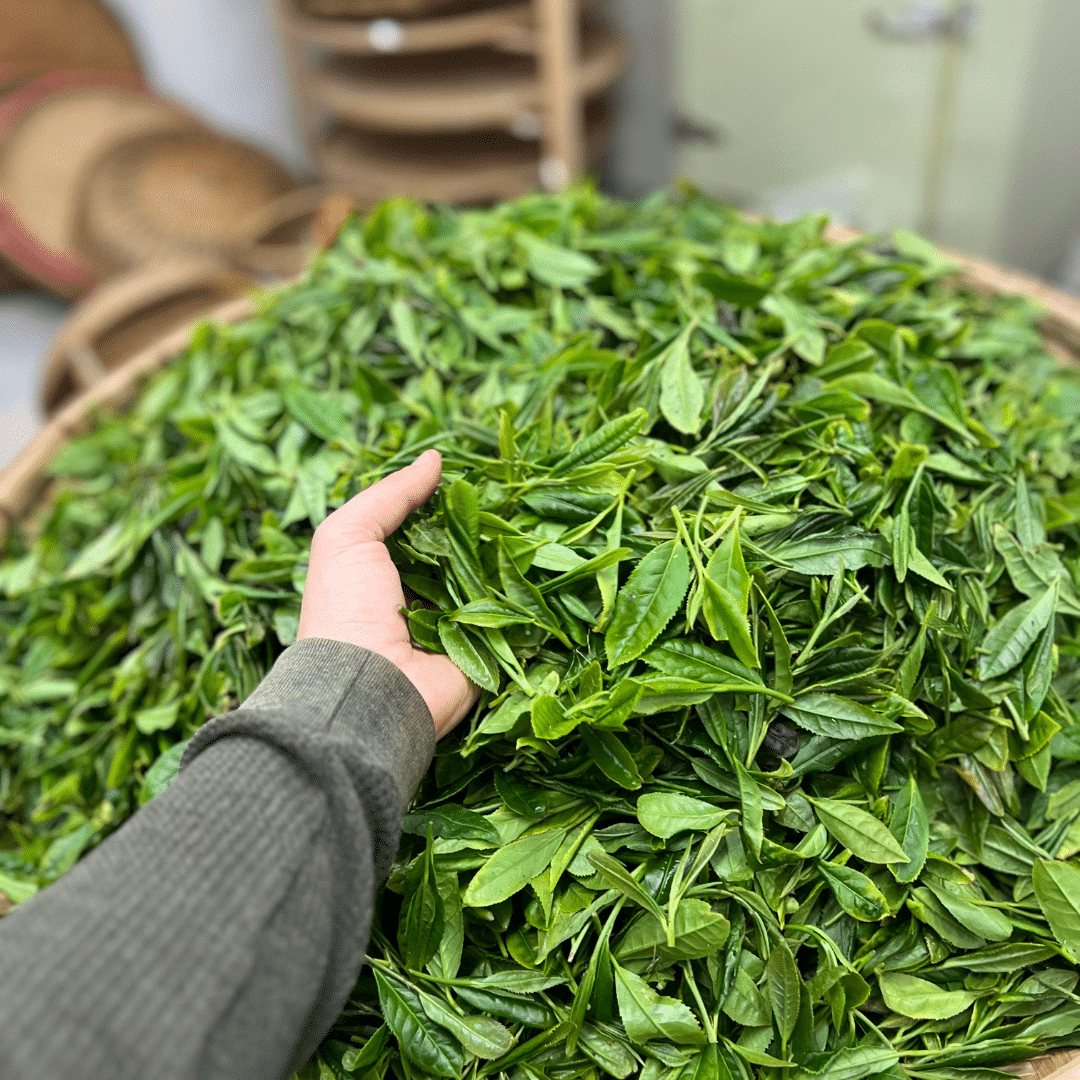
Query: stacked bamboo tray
x,y
118,198
465,101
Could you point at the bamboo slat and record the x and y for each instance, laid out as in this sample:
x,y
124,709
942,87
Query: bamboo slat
x,y
484,88
1060,1065
509,26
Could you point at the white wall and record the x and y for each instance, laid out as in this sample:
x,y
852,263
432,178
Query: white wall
x,y
978,145
223,59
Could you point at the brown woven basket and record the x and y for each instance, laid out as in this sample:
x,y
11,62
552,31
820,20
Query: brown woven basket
x,y
124,316
12,76
22,481
65,34
52,126
172,194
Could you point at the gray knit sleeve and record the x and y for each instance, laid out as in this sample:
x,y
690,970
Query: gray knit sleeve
x,y
218,933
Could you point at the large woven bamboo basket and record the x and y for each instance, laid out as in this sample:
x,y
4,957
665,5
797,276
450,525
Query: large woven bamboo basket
x,y
65,34
52,128
23,481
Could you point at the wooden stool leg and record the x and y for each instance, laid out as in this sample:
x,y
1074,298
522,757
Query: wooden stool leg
x,y
558,58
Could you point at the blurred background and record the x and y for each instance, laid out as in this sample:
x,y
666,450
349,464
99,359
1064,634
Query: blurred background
x,y
160,156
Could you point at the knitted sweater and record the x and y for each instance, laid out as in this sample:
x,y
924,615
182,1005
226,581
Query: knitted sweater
x,y
218,933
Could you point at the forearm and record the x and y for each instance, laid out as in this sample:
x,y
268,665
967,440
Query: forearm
x,y
218,933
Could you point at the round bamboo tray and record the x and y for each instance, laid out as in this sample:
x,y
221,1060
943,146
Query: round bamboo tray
x,y
13,75
172,194
22,481
506,26
456,91
376,9
125,316
275,240
16,73
470,168
65,34
52,127
11,280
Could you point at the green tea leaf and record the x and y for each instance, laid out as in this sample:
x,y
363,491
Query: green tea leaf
x,y
611,757
783,981
664,815
512,867
859,831
727,594
479,1035
550,719
647,602
319,413
421,925
681,394
856,894
1057,888
469,655
853,1063
426,1044
910,827
603,442
555,265
647,1015
698,932
1009,639
922,1000
837,718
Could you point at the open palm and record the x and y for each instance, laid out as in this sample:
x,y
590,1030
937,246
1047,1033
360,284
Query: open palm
x,y
353,591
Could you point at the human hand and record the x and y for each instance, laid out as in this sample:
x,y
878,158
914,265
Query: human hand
x,y
353,590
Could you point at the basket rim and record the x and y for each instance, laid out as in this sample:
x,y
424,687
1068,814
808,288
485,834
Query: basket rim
x,y
123,297
18,481
65,272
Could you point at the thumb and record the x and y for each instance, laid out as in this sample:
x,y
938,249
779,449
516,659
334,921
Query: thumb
x,y
378,510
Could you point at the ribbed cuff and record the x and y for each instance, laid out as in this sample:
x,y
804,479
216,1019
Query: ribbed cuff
x,y
333,688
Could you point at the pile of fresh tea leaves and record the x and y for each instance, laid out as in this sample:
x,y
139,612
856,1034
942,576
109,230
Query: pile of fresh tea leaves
x,y
765,553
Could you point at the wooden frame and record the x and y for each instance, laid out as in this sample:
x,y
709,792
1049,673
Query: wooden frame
x,y
559,55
